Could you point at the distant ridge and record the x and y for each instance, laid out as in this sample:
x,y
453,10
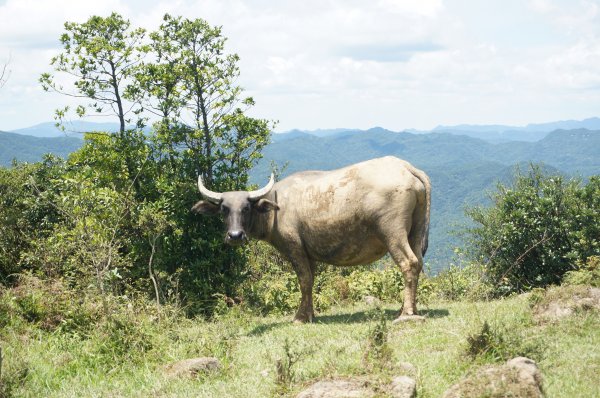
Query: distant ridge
x,y
531,132
25,148
462,168
72,129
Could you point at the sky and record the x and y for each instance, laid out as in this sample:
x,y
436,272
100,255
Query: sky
x,y
319,64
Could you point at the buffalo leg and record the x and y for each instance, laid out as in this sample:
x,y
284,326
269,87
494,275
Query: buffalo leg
x,y
410,265
304,269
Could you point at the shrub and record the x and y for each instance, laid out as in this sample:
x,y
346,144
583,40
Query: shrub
x,y
587,273
457,282
536,230
385,284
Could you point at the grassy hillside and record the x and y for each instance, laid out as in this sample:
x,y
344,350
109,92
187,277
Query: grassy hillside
x,y
127,357
26,148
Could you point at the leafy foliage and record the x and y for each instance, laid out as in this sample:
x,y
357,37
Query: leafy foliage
x,y
537,229
115,216
587,273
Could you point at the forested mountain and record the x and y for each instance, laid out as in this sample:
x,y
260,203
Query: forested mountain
x,y
531,132
30,149
462,169
72,129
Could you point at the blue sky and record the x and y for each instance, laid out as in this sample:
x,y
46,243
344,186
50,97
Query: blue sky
x,y
347,63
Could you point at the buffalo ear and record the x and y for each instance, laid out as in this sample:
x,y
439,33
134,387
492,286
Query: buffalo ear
x,y
205,207
265,206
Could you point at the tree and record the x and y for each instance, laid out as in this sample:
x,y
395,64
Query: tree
x,y
4,72
192,87
100,55
537,229
180,75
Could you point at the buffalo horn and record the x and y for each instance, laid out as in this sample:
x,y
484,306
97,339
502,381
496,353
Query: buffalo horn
x,y
259,193
210,195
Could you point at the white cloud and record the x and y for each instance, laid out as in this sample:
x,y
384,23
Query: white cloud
x,y
395,63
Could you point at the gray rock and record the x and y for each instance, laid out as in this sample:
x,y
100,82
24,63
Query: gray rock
x,y
519,377
371,300
193,367
403,387
564,301
349,388
528,370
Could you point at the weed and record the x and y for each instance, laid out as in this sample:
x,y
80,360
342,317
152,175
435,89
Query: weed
x,y
285,372
378,353
494,343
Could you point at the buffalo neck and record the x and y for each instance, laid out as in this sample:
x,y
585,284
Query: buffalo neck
x,y
262,223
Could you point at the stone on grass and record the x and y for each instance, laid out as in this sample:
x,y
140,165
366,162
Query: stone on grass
x,y
403,387
519,377
371,300
564,301
193,367
348,388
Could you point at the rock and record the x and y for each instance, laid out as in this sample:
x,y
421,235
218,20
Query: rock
x,y
519,377
528,370
403,387
193,367
563,301
349,388
371,300
409,318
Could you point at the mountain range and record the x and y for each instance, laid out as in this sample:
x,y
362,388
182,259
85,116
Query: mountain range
x,y
463,169
462,166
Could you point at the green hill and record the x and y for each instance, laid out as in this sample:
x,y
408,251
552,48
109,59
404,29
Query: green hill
x,y
462,169
27,148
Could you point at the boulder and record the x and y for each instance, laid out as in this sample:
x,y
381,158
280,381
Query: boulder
x,y
403,387
371,300
347,388
193,367
519,377
563,301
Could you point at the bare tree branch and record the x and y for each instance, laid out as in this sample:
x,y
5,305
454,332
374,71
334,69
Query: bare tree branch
x,y
4,73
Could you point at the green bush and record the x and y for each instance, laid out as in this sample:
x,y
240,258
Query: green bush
x,y
587,273
386,284
536,230
458,282
272,286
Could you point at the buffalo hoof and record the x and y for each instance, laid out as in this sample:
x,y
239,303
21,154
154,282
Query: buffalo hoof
x,y
303,318
409,318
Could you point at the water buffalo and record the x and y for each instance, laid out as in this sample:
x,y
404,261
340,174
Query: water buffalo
x,y
353,215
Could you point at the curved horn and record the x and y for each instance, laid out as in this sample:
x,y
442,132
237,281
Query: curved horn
x,y
259,193
210,195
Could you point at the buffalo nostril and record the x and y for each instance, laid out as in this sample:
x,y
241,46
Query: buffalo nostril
x,y
235,235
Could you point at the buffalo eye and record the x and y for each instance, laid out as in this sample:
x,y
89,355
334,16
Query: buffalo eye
x,y
246,209
224,210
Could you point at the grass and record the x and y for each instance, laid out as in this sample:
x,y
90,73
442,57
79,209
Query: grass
x,y
127,359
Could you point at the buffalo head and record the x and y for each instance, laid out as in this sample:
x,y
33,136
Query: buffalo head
x,y
240,209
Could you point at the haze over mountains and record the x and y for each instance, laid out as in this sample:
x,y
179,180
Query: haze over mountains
x,y
464,162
